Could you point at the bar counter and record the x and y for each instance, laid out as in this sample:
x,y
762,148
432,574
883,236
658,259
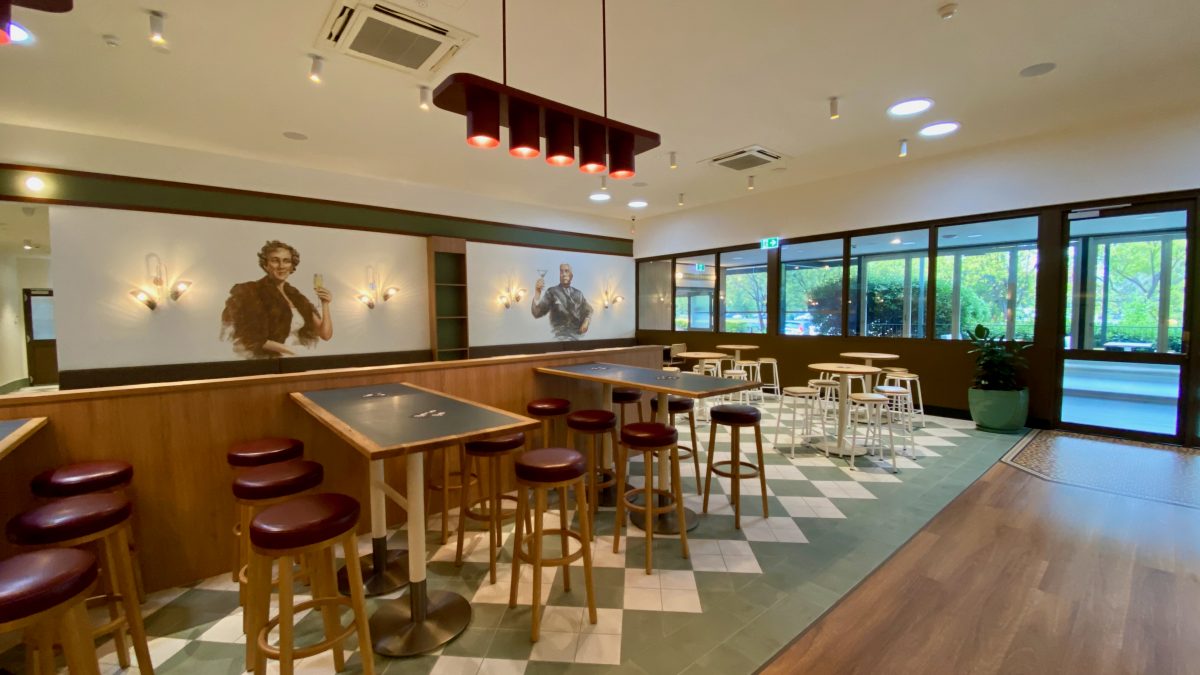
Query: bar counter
x,y
176,434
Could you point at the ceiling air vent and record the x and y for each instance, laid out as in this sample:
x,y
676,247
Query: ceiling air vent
x,y
749,157
391,36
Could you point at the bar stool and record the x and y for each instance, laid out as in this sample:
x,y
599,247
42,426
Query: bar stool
x,y
900,409
678,405
102,519
827,398
874,407
597,424
489,452
623,396
543,470
711,367
894,369
753,374
305,526
259,487
670,369
765,364
44,594
735,374
909,381
547,410
736,417
650,439
463,479
259,452
809,397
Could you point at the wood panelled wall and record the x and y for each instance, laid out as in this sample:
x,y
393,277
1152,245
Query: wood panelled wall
x,y
176,436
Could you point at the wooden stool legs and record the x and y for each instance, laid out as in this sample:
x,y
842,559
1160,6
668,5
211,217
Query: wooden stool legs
x,y
69,623
650,508
735,471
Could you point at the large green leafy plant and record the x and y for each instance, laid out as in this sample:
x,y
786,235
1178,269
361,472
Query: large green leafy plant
x,y
998,362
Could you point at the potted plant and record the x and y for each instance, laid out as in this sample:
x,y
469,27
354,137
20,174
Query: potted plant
x,y
998,401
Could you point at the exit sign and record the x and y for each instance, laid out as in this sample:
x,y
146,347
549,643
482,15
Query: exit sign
x,y
699,267
769,242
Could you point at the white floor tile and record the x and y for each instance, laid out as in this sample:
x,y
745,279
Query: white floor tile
x,y
675,600
797,507
677,579
596,648
608,621
502,667
874,474
704,546
561,619
456,665
637,578
742,564
733,547
555,647
707,563
643,598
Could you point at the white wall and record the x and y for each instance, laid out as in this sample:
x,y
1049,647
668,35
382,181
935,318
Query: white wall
x,y
1150,154
12,327
100,255
491,268
34,272
65,150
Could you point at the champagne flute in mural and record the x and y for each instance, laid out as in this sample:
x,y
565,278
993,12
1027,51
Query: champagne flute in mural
x,y
318,281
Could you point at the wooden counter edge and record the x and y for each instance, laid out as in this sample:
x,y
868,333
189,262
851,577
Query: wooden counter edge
x,y
17,437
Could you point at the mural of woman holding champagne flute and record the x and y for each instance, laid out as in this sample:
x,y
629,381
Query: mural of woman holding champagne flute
x,y
269,317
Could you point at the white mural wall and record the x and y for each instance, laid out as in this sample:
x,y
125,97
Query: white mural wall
x,y
559,312
100,255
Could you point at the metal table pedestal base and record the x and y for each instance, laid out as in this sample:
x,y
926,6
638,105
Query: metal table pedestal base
x,y
394,575
421,623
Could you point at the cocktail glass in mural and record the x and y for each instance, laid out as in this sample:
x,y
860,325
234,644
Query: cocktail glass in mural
x,y
318,282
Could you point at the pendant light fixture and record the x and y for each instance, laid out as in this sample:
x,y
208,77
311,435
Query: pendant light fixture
x,y
488,105
5,21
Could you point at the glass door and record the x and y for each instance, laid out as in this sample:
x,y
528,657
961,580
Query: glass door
x,y
1124,352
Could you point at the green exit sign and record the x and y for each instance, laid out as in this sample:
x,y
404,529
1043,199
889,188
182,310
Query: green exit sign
x,y
699,267
769,242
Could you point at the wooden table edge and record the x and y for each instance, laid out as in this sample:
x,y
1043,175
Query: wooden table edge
x,y
18,436
546,370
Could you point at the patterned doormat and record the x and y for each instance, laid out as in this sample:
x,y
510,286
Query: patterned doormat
x,y
1162,473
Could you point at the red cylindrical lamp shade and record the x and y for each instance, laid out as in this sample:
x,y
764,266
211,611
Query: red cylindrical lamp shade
x,y
560,139
483,118
5,18
592,148
620,154
524,130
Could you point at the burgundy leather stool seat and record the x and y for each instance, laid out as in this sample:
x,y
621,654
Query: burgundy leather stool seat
x,y
592,420
548,407
34,582
304,521
550,465
491,446
272,481
626,395
648,435
80,479
675,404
734,414
260,451
69,518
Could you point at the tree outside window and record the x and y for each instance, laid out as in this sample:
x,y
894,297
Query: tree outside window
x,y
744,291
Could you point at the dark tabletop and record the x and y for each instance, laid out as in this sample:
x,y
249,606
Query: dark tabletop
x,y
690,385
9,426
405,418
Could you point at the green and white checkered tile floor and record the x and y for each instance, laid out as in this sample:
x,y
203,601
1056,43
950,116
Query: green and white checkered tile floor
x,y
740,597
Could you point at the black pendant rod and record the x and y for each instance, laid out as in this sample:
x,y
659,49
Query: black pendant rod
x,y
504,38
604,49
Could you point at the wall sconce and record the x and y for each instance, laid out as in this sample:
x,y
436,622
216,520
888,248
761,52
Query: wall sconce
x,y
366,300
609,298
512,295
371,297
156,271
390,292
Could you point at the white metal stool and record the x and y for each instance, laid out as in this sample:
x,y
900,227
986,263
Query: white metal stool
x,y
806,396
736,374
874,408
900,410
767,363
827,399
911,382
753,374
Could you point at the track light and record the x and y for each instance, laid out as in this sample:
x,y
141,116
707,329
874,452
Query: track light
x,y
27,245
426,98
903,147
674,164
157,33
680,199
314,71
749,182
833,108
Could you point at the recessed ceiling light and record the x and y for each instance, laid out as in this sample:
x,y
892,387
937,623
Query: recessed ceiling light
x,y
638,204
912,106
18,35
896,240
35,184
295,136
1038,69
910,243
599,196
974,236
939,129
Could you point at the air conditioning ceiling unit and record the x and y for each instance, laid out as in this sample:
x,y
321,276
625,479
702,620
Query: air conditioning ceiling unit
x,y
391,36
749,157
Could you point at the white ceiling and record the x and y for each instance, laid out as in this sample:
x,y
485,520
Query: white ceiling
x,y
708,76
20,222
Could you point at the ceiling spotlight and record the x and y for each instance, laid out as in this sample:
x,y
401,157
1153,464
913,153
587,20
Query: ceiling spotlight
x,y
638,204
680,199
833,108
111,40
911,106
157,34
1036,70
749,182
599,196
948,10
896,241
903,147
35,184
314,71
425,98
27,245
604,183
674,164
939,129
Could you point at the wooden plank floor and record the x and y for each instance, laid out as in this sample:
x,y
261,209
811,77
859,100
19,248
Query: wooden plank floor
x,y
1022,575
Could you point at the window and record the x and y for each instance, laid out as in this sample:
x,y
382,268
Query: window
x,y
744,291
811,301
654,295
889,277
695,292
987,274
